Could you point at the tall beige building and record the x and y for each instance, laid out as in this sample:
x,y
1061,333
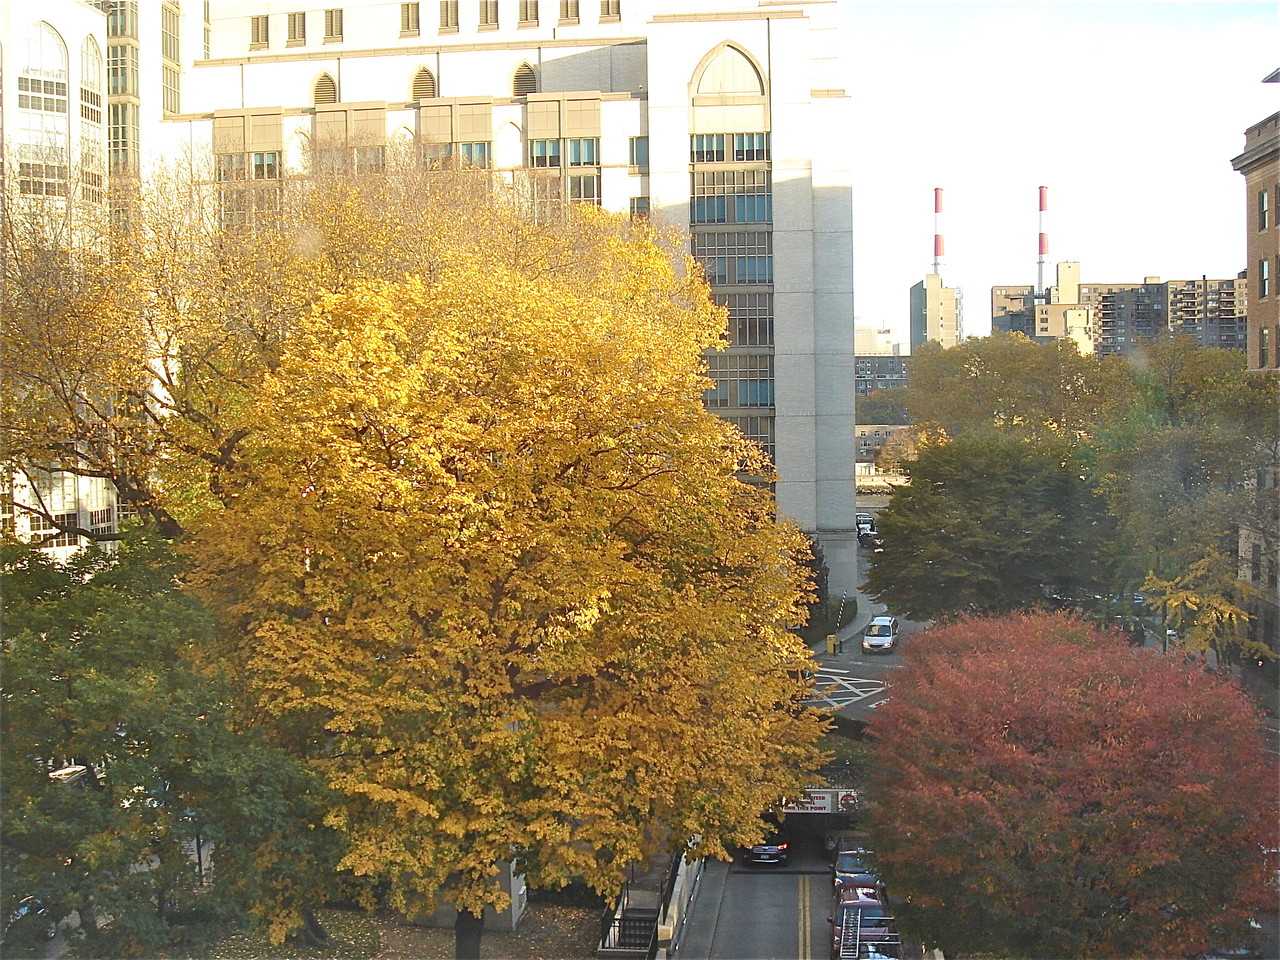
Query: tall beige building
x,y
935,313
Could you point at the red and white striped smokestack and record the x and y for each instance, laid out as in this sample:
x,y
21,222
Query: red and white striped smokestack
x,y
1044,240
937,235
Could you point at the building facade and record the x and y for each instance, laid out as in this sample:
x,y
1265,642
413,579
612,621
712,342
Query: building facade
x,y
1112,318
1260,165
725,117
935,313
53,154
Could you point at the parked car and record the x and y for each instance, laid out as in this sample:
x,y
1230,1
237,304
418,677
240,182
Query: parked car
x,y
864,522
881,635
769,852
861,926
853,867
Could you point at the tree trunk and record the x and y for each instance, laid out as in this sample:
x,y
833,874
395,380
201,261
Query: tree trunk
x,y
313,932
467,931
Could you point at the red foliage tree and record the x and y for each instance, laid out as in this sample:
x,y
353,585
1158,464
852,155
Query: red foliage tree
x,y
1042,789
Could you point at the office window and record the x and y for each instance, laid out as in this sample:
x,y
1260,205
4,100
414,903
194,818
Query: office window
x,y
584,189
230,167
474,154
122,70
639,207
297,27
740,257
410,18
706,148
759,430
569,10
50,96
740,380
259,31
266,166
750,318
448,14
610,9
333,24
544,153
638,155
1264,348
169,33
1263,212
488,13
528,12
424,85
583,152
750,146
1264,279
123,134
170,84
731,196
525,82
42,179
122,19
369,159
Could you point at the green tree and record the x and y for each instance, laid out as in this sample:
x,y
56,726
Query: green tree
x,y
176,812
989,523
1043,790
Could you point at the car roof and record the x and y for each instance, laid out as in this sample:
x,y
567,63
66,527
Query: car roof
x,y
883,619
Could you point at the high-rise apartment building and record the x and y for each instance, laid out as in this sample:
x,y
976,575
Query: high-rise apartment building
x,y
1111,318
727,117
1260,165
935,313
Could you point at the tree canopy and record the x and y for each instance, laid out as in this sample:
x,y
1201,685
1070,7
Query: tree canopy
x,y
477,554
1157,453
1041,789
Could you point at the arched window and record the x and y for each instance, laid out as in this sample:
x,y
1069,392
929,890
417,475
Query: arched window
x,y
90,81
326,90
526,81
424,85
730,72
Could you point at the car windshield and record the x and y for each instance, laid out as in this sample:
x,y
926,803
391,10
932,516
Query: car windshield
x,y
878,630
851,861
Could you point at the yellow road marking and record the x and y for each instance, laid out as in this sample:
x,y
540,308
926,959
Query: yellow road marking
x,y
803,918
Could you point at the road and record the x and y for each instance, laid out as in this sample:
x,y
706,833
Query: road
x,y
765,913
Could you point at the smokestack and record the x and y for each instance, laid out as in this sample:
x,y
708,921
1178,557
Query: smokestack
x,y
1044,242
937,236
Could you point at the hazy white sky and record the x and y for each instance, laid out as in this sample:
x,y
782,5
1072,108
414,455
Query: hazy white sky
x,y
1129,112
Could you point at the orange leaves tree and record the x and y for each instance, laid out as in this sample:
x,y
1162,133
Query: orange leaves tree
x,y
1044,790
487,563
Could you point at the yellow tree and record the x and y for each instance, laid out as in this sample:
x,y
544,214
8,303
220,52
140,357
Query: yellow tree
x,y
486,560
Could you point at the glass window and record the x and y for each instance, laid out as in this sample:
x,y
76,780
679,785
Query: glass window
x,y
169,33
741,380
266,166
1264,279
170,89
741,257
122,70
231,166
474,154
639,207
584,189
122,19
583,152
750,146
1263,212
707,148
639,152
544,153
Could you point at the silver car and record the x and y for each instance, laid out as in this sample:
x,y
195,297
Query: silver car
x,y
881,635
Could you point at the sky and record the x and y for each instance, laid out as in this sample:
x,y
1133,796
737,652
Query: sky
x,y
1129,112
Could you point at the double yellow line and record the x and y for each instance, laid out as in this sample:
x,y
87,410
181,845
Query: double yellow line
x,y
804,921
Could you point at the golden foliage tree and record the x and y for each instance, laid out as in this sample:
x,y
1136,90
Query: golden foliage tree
x,y
483,557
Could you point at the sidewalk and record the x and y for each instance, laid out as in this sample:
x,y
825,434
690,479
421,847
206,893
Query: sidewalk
x,y
847,636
